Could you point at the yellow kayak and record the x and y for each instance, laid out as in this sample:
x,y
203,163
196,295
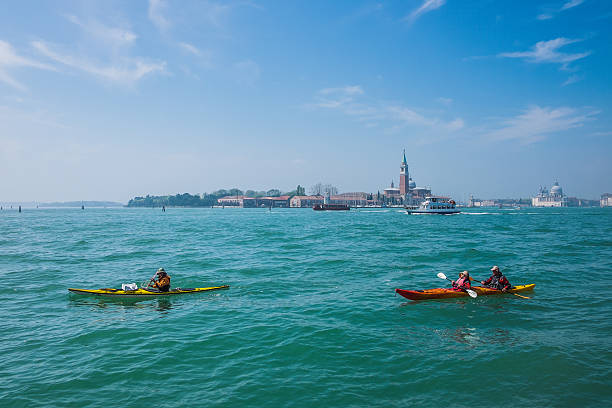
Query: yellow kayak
x,y
142,292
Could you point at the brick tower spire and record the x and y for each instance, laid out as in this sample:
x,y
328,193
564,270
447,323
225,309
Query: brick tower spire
x,y
404,177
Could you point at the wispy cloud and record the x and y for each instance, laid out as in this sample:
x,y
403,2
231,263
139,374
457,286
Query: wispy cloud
x,y
203,58
572,80
156,14
536,123
112,36
192,49
426,7
9,59
552,12
351,101
444,101
544,16
548,52
571,4
126,70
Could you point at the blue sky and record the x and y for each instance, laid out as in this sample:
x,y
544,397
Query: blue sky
x,y
108,100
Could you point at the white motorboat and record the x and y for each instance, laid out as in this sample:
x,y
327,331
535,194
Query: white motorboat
x,y
435,205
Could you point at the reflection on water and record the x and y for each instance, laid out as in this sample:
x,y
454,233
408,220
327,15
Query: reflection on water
x,y
465,335
474,337
162,305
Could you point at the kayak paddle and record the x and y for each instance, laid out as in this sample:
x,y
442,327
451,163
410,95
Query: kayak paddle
x,y
469,291
515,294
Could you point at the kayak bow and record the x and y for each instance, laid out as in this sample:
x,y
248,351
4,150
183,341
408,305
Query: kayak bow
x,y
443,293
138,293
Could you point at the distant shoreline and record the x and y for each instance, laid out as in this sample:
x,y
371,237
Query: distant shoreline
x,y
63,204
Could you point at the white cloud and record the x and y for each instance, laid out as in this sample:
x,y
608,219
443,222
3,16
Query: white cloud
x,y
9,59
535,123
455,124
571,3
337,97
203,57
444,101
547,52
349,100
572,80
113,36
127,70
190,48
426,7
552,12
409,116
544,16
156,14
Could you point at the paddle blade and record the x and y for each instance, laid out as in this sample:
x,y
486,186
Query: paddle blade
x,y
441,275
471,293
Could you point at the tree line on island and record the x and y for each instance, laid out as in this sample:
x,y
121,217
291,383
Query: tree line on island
x,y
210,199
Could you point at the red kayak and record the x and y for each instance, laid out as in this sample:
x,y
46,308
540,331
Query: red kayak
x,y
445,293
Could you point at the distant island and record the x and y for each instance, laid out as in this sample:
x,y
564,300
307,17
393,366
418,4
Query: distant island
x,y
206,199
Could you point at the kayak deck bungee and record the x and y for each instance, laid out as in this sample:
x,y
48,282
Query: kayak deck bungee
x,y
142,292
445,293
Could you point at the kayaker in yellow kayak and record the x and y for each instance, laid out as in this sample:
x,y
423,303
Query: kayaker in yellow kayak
x,y
463,282
497,280
163,281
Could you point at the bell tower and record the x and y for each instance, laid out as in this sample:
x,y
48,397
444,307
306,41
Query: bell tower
x,y
404,178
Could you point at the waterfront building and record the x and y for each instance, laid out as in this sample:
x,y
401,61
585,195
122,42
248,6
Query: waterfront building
x,y
418,194
393,193
355,199
477,202
606,200
252,202
305,201
232,201
280,202
554,198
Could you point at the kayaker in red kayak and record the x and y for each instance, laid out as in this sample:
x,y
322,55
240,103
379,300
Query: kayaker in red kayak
x,y
163,281
463,282
497,280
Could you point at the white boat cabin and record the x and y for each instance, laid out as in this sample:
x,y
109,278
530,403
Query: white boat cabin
x,y
438,203
435,205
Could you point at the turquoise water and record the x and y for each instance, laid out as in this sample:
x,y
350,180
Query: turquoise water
x,y
311,318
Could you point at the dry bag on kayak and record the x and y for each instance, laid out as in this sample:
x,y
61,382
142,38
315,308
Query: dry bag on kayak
x,y
129,286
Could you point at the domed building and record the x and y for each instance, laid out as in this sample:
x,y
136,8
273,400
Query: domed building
x,y
554,198
393,194
556,190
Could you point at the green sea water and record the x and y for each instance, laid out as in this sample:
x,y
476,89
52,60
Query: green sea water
x,y
311,318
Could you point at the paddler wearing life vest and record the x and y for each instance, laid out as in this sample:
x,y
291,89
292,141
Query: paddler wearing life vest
x,y
463,282
163,281
497,280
